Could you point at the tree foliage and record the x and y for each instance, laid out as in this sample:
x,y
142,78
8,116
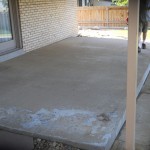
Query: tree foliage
x,y
120,2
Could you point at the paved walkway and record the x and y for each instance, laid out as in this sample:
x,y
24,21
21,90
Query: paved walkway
x,y
72,91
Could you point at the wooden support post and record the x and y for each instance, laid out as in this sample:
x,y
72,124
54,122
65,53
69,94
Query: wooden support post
x,y
132,73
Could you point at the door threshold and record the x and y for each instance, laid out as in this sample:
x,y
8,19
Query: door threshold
x,y
11,54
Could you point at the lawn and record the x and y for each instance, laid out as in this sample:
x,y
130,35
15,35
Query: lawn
x,y
108,33
124,33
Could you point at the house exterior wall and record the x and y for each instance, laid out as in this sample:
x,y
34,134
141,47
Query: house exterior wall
x,y
100,3
46,21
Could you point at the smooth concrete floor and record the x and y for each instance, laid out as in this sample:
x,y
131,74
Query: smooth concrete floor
x,y
72,91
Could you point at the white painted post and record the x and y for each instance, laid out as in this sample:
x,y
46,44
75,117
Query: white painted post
x,y
132,73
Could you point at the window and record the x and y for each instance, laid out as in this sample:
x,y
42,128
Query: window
x,y
9,26
80,2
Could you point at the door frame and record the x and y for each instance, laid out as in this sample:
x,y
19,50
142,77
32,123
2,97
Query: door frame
x,y
16,42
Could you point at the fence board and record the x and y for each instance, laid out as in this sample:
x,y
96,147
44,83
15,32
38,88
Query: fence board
x,y
112,16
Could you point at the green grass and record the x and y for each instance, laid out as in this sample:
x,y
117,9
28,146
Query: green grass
x,y
124,33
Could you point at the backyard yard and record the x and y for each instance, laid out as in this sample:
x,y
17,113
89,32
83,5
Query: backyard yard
x,y
108,33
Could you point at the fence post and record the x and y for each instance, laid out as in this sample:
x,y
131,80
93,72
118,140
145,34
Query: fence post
x,y
107,16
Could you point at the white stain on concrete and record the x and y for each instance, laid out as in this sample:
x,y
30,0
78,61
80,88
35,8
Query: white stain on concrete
x,y
69,113
95,129
90,121
62,123
104,141
44,117
66,121
41,117
106,138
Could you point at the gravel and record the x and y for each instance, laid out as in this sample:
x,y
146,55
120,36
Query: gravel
x,y
40,144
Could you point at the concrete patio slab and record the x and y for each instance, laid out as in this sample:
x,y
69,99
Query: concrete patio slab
x,y
72,91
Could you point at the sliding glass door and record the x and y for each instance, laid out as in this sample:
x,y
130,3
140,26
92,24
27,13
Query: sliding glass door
x,y
8,37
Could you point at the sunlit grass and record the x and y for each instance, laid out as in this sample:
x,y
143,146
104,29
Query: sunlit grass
x,y
109,33
124,33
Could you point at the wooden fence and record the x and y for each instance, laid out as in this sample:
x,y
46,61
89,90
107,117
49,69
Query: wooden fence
x,y
110,17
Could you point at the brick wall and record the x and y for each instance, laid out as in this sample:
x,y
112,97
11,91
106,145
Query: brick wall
x,y
46,21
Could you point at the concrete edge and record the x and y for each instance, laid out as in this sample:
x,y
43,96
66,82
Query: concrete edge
x,y
86,146
13,141
139,88
143,80
11,55
116,132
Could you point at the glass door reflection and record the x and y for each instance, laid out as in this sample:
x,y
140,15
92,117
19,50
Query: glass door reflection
x,y
5,22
